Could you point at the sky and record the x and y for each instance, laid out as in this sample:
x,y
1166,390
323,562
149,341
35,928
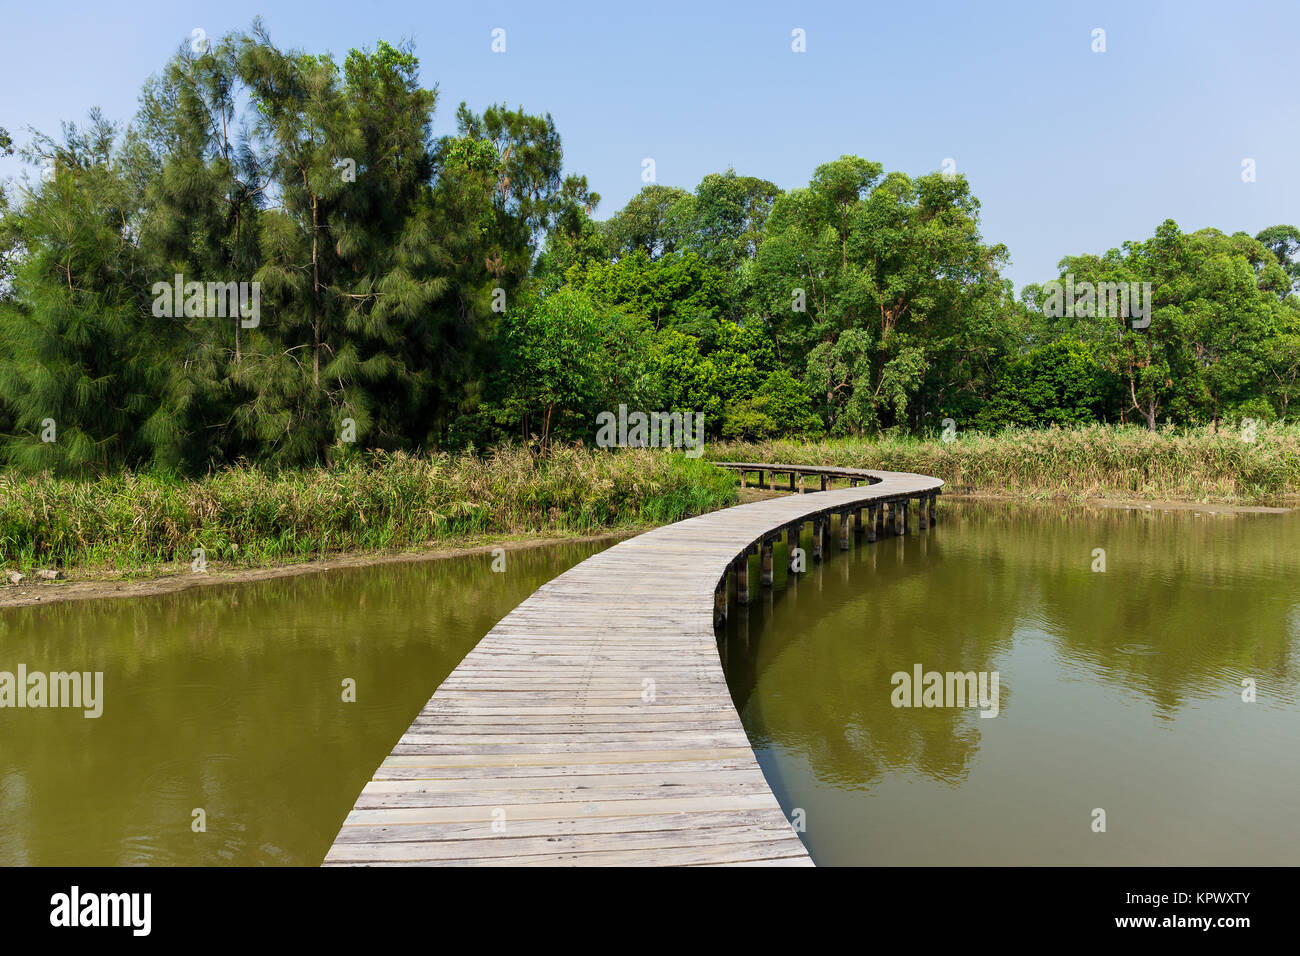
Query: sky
x,y
1069,150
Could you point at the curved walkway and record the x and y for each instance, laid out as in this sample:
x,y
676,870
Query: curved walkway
x,y
593,724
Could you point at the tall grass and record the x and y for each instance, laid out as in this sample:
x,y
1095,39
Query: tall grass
x,y
373,502
1094,461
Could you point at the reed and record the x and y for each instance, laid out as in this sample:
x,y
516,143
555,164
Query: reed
x,y
370,502
1101,461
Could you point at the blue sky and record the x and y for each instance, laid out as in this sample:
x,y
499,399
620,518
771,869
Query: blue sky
x,y
1069,151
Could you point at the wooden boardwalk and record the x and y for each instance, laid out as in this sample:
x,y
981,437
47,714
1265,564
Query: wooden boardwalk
x,y
593,724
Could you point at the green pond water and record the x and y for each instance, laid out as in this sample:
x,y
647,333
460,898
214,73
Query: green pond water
x,y
1119,690
229,699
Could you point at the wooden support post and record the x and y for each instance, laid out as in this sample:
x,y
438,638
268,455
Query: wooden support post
x,y
873,516
720,603
823,482
817,538
761,483
857,522
742,477
900,516
844,531
741,570
767,563
934,498
853,482
922,513
792,474
880,518
802,489
792,542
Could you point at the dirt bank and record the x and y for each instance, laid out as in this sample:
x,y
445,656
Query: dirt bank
x,y
91,584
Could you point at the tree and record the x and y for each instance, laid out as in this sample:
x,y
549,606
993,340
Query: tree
x,y
497,187
347,260
1284,243
1282,359
723,221
1057,383
723,224
676,291
855,274
384,260
201,189
575,240
8,239
73,367
652,221
549,362
684,378
781,406
1213,307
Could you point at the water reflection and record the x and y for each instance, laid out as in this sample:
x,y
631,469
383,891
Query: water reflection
x,y
1123,685
229,699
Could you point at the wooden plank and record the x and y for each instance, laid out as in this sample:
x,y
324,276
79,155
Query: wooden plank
x,y
487,776
515,797
658,856
746,842
479,759
510,780
593,724
487,813
574,824
524,846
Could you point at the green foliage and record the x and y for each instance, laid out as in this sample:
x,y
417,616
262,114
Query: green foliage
x,y
724,219
74,367
550,364
380,255
781,406
372,501
684,378
677,291
422,293
1217,305
1059,383
1170,464
866,281
652,222
1284,243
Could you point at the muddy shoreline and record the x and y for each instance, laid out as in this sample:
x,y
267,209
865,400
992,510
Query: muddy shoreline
x,y
95,584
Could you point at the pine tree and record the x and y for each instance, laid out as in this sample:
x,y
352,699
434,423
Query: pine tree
x,y
74,368
202,189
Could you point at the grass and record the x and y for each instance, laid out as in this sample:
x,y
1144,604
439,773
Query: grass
x,y
1088,462
382,502
375,502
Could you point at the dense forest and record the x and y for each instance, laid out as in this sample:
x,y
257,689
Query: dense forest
x,y
422,293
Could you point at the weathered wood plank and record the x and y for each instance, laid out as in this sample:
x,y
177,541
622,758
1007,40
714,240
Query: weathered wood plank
x,y
524,846
574,824
658,856
593,724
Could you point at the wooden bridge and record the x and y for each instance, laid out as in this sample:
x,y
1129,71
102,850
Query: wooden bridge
x,y
593,724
